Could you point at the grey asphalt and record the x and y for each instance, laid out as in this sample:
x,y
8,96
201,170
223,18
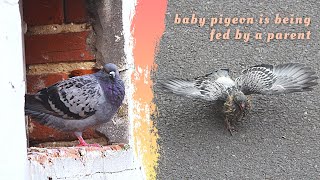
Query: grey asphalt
x,y
280,139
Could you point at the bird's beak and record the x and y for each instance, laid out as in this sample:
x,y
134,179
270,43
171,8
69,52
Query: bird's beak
x,y
242,106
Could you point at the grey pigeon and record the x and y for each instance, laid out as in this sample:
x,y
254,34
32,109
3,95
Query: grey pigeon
x,y
261,79
79,102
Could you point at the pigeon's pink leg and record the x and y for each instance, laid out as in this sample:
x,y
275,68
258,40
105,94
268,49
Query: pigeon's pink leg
x,y
82,142
229,127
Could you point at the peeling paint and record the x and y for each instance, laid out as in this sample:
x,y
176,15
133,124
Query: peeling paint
x,y
147,28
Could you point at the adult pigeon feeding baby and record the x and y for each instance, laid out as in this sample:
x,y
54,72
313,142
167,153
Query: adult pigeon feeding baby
x,y
79,102
260,79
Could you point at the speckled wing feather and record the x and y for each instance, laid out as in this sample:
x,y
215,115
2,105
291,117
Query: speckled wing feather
x,y
285,78
74,98
210,87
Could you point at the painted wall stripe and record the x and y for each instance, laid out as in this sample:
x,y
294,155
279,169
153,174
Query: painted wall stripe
x,y
147,28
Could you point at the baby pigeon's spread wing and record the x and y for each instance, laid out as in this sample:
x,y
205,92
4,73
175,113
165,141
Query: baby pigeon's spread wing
x,y
268,79
210,87
75,98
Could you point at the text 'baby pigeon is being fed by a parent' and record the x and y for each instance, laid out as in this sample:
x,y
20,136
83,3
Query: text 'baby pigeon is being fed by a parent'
x,y
260,79
80,102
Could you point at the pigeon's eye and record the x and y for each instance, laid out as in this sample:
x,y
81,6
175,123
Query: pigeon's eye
x,y
112,74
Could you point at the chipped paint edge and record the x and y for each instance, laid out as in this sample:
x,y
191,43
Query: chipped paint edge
x,y
128,11
147,27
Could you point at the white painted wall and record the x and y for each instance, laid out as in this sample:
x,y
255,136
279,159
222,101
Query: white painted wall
x,y
74,163
128,12
13,151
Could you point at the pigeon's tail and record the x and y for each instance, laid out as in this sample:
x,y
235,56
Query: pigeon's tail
x,y
34,103
36,109
47,119
181,87
59,123
294,77
31,102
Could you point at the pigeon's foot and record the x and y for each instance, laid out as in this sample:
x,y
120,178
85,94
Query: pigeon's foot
x,y
229,127
82,142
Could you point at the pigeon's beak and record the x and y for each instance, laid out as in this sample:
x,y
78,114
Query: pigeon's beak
x,y
242,106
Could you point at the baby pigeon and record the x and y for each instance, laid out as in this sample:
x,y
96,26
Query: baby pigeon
x,y
260,79
78,103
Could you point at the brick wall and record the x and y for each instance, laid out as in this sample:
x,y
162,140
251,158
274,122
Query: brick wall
x,y
58,44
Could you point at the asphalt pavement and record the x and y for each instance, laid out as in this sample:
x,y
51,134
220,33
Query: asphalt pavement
x,y
280,139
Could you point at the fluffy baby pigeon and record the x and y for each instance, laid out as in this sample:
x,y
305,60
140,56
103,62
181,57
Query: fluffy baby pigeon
x,y
79,102
260,79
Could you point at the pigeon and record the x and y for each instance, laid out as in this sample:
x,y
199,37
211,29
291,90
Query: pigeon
x,y
235,94
79,102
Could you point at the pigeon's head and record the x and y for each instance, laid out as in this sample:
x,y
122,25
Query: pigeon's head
x,y
240,100
111,71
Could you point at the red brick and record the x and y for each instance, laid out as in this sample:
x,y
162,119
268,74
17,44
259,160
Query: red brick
x,y
37,82
75,11
43,12
63,47
39,133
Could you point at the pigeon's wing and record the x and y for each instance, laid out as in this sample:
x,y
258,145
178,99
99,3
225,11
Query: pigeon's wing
x,y
210,87
75,98
268,79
